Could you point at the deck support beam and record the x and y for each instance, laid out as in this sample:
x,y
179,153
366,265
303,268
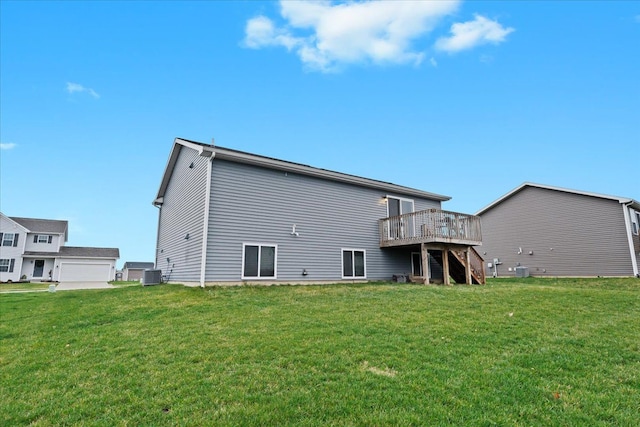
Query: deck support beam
x,y
467,266
445,265
426,273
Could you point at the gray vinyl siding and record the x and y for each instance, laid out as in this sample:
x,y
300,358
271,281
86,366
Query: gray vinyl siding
x,y
568,234
251,204
182,212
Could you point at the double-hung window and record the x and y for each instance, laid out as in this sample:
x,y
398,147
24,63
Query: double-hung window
x,y
6,265
354,264
259,261
42,238
9,239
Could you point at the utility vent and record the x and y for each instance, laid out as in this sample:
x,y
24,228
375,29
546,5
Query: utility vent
x,y
151,277
522,271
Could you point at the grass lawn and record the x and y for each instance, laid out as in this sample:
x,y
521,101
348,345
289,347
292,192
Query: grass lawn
x,y
24,287
527,352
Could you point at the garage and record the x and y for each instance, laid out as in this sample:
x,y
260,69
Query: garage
x,y
85,271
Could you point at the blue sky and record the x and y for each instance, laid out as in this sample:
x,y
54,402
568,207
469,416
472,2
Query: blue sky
x,y
467,99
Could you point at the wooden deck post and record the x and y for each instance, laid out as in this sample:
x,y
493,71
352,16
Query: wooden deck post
x,y
445,265
425,264
467,266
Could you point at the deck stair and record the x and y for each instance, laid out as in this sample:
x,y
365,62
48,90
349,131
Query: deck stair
x,y
457,270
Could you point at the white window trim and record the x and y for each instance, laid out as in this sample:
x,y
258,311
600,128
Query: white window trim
x,y
275,261
4,238
352,250
2,265
46,238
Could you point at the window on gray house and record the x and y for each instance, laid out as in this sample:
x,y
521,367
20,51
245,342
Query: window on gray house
x,y
42,238
353,263
259,261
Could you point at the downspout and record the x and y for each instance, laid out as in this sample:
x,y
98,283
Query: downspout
x,y
205,216
158,205
627,223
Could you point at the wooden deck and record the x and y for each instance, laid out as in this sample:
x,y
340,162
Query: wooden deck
x,y
450,234
430,226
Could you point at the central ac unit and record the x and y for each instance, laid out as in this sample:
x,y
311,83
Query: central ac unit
x,y
151,277
522,271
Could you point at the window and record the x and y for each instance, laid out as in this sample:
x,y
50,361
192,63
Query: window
x,y
6,265
397,206
259,261
403,227
353,263
9,239
635,222
42,238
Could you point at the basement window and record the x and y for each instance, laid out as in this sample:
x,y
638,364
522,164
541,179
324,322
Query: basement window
x,y
259,261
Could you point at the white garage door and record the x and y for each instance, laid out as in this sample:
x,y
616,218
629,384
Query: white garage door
x,y
84,272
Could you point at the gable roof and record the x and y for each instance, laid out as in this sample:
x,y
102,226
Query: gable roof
x,y
622,200
74,251
14,222
207,150
138,265
79,252
35,225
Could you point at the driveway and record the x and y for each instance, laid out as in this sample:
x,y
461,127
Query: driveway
x,y
71,286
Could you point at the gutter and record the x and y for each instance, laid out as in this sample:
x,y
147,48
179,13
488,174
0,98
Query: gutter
x,y
627,223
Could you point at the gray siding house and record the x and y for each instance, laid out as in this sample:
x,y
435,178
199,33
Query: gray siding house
x,y
554,231
227,216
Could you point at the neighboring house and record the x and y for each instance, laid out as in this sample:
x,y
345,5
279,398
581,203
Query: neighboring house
x,y
555,231
33,249
227,216
135,270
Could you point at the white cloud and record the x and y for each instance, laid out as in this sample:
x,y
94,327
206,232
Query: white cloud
x,y
7,145
466,35
75,87
326,36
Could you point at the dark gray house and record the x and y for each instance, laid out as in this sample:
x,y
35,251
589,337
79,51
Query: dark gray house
x,y
552,231
227,216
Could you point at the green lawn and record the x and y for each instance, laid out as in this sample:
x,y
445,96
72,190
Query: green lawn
x,y
24,287
531,352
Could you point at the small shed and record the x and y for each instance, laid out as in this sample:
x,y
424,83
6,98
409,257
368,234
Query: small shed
x,y
134,270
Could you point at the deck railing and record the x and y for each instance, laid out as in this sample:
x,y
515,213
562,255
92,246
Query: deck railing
x,y
430,226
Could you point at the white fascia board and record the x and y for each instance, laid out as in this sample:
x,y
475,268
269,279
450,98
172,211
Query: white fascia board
x,y
22,227
207,150
203,150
